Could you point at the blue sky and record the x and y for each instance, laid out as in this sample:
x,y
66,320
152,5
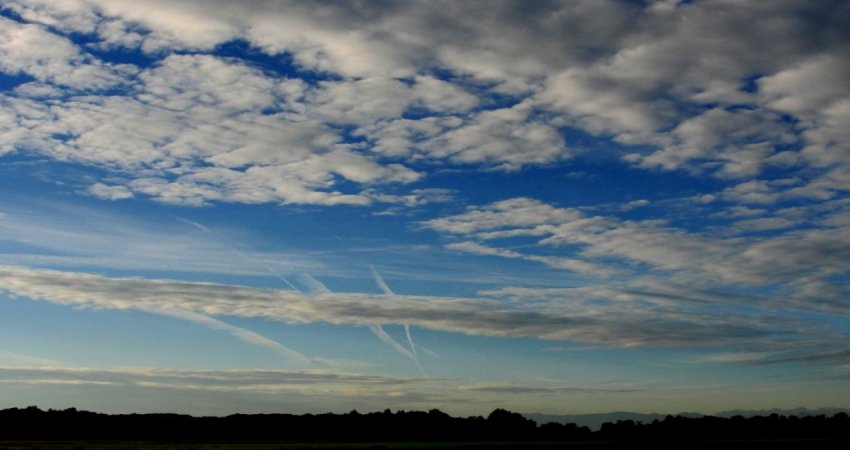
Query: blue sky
x,y
561,207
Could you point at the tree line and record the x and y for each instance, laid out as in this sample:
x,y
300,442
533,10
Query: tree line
x,y
32,423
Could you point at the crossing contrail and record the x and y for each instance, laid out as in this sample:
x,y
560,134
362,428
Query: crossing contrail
x,y
386,289
240,333
313,285
317,286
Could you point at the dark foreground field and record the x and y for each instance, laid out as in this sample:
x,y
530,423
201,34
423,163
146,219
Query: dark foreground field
x,y
594,445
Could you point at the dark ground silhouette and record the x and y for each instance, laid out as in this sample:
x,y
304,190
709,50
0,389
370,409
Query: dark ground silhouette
x,y
35,425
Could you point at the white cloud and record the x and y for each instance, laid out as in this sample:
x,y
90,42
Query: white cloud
x,y
191,141
361,101
732,144
827,185
603,105
367,100
105,192
32,50
438,95
506,139
416,197
575,265
754,192
67,15
194,83
516,212
764,224
635,204
808,87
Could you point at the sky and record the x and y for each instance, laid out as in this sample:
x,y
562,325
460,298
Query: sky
x,y
564,207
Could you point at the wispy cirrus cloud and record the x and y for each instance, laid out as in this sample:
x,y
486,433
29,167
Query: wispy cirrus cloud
x,y
52,234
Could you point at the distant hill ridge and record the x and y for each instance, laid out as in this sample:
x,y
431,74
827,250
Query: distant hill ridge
x,y
595,420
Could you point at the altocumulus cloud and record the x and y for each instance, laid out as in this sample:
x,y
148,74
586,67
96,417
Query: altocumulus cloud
x,y
665,80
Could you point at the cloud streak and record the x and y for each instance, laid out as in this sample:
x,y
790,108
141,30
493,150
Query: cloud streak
x,y
377,329
234,380
54,234
592,315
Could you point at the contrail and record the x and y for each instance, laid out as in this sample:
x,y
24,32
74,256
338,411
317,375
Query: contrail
x,y
313,284
197,225
380,281
241,333
378,330
235,248
429,351
386,289
317,286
